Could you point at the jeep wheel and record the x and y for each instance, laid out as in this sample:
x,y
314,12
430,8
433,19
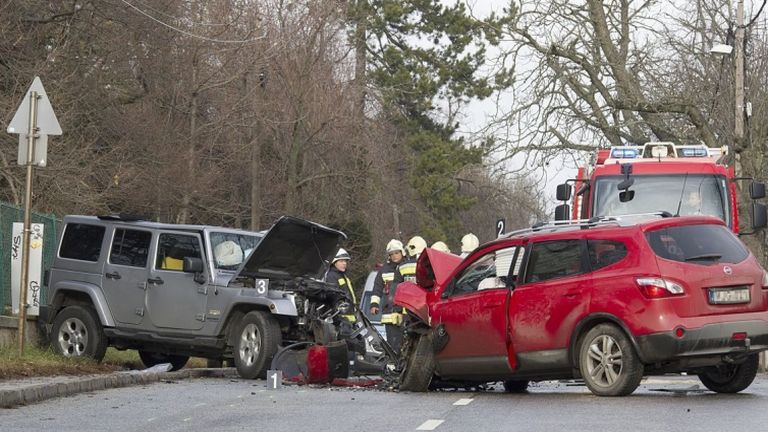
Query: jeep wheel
x,y
152,358
257,340
419,364
77,332
516,386
731,378
608,362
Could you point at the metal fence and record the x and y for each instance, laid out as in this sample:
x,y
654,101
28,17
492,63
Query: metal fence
x,y
8,215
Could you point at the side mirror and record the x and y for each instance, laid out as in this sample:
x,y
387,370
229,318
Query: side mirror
x,y
759,216
627,195
562,212
193,265
563,192
757,190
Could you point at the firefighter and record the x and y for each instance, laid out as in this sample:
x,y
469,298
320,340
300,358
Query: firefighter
x,y
382,295
405,271
468,243
337,275
441,246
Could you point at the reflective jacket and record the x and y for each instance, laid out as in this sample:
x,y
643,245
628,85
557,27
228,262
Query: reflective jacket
x,y
405,271
382,294
335,277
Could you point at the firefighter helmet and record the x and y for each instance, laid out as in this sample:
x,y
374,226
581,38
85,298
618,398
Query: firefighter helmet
x,y
395,245
416,245
441,246
341,255
469,243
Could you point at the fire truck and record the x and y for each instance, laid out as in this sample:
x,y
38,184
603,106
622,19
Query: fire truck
x,y
659,177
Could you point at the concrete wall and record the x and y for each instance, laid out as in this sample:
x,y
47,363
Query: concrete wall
x,y
9,329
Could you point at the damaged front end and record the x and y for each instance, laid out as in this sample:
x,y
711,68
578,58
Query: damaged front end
x,y
288,265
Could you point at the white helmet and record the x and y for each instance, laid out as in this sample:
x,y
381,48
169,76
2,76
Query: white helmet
x,y
469,243
441,246
341,255
416,245
395,245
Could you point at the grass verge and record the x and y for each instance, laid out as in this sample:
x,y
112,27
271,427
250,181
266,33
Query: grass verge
x,y
39,361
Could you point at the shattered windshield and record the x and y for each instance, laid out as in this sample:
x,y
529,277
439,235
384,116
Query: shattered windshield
x,y
695,194
230,249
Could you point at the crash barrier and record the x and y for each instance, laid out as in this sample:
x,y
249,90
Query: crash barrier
x,y
9,214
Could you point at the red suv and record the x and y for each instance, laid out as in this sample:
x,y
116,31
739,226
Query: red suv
x,y
608,301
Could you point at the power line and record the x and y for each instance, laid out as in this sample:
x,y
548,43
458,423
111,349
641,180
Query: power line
x,y
754,18
184,32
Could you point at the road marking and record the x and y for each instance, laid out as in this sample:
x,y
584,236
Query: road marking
x,y
151,419
430,425
188,419
465,401
200,404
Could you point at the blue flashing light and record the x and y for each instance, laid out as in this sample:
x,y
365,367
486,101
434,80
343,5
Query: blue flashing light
x,y
624,153
694,152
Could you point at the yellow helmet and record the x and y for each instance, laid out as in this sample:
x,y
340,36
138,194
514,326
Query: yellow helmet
x,y
416,245
441,246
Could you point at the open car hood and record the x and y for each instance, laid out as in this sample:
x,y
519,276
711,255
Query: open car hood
x,y
293,248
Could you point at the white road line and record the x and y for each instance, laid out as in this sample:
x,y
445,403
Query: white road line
x,y
430,425
200,405
465,401
188,419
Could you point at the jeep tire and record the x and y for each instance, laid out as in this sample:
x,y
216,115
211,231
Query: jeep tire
x,y
77,332
152,358
731,378
419,364
257,339
608,362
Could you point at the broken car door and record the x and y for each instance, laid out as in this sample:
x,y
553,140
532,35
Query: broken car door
x,y
473,312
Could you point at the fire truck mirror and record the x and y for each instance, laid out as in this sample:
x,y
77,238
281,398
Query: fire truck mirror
x,y
759,216
563,192
562,211
757,190
626,196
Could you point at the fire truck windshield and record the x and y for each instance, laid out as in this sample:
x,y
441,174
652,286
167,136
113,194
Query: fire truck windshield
x,y
703,194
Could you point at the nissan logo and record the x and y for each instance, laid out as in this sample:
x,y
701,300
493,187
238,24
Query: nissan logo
x,y
727,270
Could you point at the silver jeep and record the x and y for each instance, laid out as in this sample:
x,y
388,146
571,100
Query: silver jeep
x,y
175,291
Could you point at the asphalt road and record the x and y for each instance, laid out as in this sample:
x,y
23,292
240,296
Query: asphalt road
x,y
236,405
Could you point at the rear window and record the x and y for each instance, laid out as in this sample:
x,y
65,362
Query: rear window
x,y
82,242
698,244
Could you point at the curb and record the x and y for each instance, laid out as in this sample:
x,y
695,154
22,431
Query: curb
x,y
35,393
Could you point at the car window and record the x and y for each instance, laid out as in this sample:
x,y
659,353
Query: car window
x,y
554,259
489,271
697,244
230,249
82,242
173,248
130,247
603,253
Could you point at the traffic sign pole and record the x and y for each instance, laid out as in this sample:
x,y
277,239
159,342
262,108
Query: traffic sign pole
x,y
31,136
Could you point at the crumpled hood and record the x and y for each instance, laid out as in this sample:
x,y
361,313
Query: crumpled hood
x,y
293,248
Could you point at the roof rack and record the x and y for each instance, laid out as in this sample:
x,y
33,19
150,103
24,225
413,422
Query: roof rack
x,y
623,220
121,217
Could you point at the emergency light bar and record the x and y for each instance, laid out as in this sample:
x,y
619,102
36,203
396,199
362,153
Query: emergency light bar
x,y
661,150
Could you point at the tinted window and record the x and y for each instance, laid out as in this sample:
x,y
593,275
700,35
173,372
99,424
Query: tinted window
x,y
489,271
82,242
130,247
554,259
173,248
603,253
698,244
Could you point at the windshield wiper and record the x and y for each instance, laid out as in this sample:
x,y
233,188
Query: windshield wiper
x,y
712,257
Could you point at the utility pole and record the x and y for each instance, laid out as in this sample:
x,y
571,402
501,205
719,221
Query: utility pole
x,y
739,76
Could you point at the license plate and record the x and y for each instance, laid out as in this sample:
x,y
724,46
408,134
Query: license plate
x,y
729,295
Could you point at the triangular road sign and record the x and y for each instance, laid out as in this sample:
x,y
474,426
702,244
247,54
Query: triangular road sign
x,y
46,119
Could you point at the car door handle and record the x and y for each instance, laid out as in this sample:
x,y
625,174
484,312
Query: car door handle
x,y
155,281
114,275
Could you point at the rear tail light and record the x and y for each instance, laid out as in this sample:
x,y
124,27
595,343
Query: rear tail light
x,y
653,287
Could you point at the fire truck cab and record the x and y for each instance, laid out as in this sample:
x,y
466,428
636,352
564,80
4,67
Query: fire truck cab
x,y
659,177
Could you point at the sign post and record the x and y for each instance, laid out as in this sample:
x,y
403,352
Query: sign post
x,y
35,119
